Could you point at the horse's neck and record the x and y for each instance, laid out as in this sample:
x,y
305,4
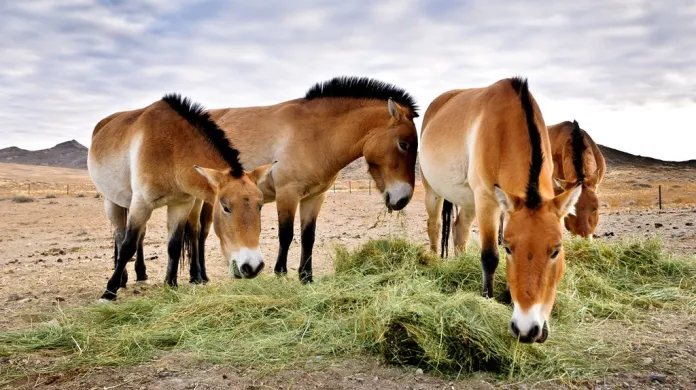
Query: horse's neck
x,y
352,128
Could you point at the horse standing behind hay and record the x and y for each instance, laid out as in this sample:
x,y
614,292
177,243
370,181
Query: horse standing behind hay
x,y
487,150
172,154
312,139
577,160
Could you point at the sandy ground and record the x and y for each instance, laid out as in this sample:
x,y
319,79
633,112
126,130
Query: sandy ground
x,y
57,252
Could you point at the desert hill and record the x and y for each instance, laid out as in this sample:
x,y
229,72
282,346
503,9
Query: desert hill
x,y
70,154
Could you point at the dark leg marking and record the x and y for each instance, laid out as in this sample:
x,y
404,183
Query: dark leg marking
x,y
308,235
174,249
285,234
125,253
140,268
489,263
191,246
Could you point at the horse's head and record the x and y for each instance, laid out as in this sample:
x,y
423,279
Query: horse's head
x,y
237,216
584,219
532,239
391,156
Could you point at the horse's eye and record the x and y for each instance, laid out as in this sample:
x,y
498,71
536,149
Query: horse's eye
x,y
507,249
225,208
260,206
403,146
555,253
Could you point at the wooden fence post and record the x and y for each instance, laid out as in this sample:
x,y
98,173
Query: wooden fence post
x,y
67,190
369,187
29,191
659,195
334,187
350,187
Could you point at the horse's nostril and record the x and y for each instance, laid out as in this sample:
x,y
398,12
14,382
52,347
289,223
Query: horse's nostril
x,y
514,329
246,269
401,203
387,198
534,332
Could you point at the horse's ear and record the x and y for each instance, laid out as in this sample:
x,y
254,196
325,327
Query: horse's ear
x,y
395,110
560,184
213,176
508,202
260,173
565,202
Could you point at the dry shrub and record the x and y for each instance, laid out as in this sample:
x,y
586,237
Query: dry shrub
x,y
23,199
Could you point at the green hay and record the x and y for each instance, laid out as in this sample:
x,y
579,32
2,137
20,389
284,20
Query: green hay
x,y
390,298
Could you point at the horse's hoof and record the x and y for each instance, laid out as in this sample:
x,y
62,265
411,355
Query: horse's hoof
x,y
103,301
196,281
108,296
146,281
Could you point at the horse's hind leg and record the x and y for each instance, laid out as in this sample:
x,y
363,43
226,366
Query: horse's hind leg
x,y
462,227
117,215
309,210
177,215
433,205
138,215
140,268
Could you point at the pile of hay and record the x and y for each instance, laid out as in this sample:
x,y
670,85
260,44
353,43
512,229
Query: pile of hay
x,y
390,298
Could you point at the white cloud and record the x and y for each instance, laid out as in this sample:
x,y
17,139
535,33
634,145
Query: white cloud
x,y
621,68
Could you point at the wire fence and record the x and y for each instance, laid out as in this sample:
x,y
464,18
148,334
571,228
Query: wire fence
x,y
42,188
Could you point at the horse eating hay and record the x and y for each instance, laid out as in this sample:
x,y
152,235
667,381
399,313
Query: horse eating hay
x,y
312,139
172,154
486,150
577,160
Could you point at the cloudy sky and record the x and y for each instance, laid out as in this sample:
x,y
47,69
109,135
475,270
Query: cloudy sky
x,y
625,69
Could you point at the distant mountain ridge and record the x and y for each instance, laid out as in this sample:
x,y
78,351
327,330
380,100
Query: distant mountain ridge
x,y
72,154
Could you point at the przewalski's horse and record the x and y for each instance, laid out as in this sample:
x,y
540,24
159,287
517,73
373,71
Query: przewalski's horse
x,y
577,160
172,154
486,150
313,138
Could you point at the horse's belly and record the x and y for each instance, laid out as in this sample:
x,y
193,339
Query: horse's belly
x,y
448,177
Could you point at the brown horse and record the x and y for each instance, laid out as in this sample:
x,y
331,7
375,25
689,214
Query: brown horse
x,y
172,154
312,139
577,160
485,150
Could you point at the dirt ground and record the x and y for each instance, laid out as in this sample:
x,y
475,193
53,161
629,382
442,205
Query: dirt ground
x,y
57,252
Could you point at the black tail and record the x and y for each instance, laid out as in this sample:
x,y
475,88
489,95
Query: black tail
x,y
446,227
186,252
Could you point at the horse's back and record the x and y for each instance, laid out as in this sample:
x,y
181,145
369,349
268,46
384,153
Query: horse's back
x,y
561,136
480,137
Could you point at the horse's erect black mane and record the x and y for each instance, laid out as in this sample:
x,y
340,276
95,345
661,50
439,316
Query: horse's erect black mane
x,y
195,114
579,147
362,88
533,197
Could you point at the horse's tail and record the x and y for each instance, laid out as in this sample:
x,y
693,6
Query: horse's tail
x,y
187,247
446,227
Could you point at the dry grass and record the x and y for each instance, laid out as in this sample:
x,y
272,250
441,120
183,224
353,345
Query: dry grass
x,y
389,298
